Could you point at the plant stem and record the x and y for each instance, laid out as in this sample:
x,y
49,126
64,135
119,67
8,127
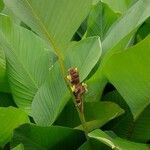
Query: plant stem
x,y
83,122
81,117
80,113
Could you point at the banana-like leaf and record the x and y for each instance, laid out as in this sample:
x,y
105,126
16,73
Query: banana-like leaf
x,y
43,138
1,5
119,6
55,20
138,13
2,64
93,144
28,70
129,72
83,55
18,147
100,19
10,118
143,31
94,2
117,38
116,143
4,87
125,126
96,115
141,127
51,98
28,61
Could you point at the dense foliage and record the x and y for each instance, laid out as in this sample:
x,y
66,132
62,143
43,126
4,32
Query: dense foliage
x,y
107,45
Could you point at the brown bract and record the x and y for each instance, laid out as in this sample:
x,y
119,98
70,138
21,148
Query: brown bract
x,y
78,88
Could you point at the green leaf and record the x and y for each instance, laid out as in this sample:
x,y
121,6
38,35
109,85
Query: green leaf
x,y
29,63
51,98
83,55
94,2
100,19
28,60
10,118
143,31
18,147
55,20
93,144
129,72
36,84
123,124
4,87
2,64
1,5
141,128
138,13
43,138
119,6
118,38
96,115
115,142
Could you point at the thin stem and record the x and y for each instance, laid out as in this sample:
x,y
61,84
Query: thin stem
x,y
83,122
81,117
80,113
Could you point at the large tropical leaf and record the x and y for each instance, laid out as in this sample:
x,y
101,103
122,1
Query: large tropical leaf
x,y
119,6
93,144
116,143
28,61
118,37
101,17
2,63
141,127
50,99
18,147
96,115
83,55
10,118
4,87
1,5
43,138
129,72
143,31
125,126
138,13
55,20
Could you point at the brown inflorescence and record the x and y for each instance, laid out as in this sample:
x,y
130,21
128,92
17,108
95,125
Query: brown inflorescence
x,y
78,88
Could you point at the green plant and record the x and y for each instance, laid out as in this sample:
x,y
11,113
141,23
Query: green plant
x,y
103,44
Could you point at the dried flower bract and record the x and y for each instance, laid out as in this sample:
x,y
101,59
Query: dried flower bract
x,y
77,87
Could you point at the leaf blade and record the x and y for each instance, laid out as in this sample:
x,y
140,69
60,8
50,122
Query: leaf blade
x,y
10,118
50,26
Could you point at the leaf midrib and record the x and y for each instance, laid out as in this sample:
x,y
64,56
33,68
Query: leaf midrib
x,y
49,37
